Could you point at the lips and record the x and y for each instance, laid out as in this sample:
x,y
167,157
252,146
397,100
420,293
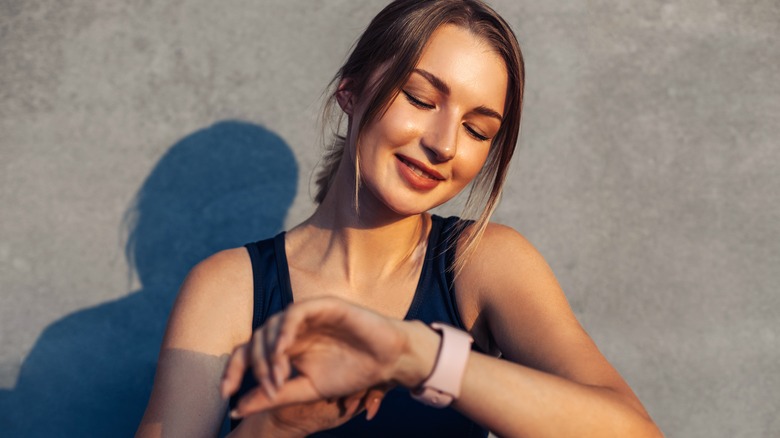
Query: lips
x,y
420,169
417,175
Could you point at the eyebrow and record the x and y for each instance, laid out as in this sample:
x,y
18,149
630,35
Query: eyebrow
x,y
445,89
435,81
485,111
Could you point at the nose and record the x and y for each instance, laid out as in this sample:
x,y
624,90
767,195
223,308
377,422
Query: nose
x,y
441,140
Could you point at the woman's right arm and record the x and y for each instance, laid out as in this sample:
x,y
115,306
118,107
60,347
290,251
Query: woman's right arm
x,y
211,318
212,315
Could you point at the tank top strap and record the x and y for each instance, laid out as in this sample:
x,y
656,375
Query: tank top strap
x,y
437,291
270,294
271,278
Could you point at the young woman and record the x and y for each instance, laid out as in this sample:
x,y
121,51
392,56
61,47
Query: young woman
x,y
432,94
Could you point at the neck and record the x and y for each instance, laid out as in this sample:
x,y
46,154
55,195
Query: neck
x,y
364,244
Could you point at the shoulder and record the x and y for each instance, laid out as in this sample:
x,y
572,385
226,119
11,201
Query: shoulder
x,y
513,289
499,241
225,268
501,253
213,311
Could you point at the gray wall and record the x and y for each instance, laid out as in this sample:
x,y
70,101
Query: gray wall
x,y
647,174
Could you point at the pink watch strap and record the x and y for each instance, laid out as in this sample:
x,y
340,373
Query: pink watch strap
x,y
443,385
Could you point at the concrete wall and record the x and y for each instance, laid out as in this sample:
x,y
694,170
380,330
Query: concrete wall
x,y
138,137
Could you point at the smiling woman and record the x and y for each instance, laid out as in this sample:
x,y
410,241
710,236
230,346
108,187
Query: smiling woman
x,y
432,138
432,93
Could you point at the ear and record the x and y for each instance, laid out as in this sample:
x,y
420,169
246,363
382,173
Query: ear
x,y
345,96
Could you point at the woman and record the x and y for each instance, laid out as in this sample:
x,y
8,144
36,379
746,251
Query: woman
x,y
432,93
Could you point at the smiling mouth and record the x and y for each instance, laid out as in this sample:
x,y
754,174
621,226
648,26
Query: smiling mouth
x,y
417,170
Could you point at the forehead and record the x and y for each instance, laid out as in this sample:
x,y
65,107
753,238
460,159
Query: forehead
x,y
468,64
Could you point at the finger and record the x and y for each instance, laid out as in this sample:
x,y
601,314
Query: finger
x,y
352,405
277,361
361,398
374,400
255,400
234,370
298,315
372,407
298,390
270,334
281,369
288,330
260,364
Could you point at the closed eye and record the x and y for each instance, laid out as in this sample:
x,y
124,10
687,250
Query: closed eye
x,y
420,104
417,102
474,133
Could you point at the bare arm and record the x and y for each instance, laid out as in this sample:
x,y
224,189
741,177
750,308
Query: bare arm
x,y
212,314
211,318
555,382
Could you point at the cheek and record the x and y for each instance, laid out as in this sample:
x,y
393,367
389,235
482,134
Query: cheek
x,y
398,126
472,159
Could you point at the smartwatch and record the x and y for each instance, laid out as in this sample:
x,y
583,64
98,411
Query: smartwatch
x,y
443,385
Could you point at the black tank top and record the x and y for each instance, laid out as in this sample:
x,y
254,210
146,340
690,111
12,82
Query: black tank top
x,y
434,300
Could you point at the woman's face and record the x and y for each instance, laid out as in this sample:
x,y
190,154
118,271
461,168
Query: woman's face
x,y
436,134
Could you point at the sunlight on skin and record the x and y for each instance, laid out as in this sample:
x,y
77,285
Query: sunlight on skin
x,y
438,120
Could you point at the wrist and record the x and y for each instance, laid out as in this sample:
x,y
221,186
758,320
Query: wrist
x,y
418,356
444,383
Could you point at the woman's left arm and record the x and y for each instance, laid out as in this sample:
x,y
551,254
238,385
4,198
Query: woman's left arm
x,y
554,381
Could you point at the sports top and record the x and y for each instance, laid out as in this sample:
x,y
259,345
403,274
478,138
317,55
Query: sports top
x,y
434,300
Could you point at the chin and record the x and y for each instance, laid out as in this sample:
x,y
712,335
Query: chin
x,y
405,201
406,204
407,208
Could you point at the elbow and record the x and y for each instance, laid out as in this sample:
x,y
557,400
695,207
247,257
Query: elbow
x,y
636,422
641,426
649,430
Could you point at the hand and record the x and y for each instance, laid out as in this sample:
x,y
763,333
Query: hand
x,y
337,349
303,419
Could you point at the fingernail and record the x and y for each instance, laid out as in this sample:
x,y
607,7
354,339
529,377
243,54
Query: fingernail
x,y
372,409
234,414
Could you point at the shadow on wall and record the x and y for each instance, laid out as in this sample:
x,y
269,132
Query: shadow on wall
x,y
90,373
